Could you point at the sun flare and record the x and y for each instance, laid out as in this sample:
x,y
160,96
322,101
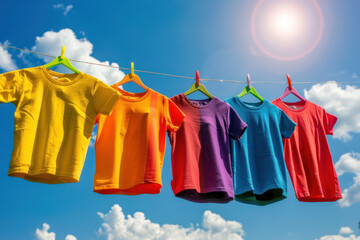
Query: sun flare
x,y
287,30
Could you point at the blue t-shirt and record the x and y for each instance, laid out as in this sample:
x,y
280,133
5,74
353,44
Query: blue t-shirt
x,y
258,157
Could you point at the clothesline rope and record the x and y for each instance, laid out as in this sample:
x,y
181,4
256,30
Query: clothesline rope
x,y
165,74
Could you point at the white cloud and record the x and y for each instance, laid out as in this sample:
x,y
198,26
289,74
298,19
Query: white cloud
x,y
80,49
70,237
345,231
354,75
342,102
339,237
351,195
61,6
349,163
6,61
44,234
93,138
117,226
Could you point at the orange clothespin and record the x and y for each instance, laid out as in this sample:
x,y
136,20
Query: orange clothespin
x,y
289,81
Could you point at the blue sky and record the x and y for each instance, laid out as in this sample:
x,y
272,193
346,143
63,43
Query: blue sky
x,y
180,37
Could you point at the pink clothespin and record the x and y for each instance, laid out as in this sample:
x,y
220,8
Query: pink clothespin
x,y
197,78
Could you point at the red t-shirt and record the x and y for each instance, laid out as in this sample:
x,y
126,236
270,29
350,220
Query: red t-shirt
x,y
307,153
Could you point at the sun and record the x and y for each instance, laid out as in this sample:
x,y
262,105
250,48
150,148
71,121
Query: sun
x,y
285,22
287,30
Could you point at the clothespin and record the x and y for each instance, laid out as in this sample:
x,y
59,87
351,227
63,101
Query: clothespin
x,y
62,52
197,78
132,70
248,81
289,81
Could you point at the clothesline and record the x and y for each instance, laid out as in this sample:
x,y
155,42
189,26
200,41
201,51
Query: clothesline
x,y
167,74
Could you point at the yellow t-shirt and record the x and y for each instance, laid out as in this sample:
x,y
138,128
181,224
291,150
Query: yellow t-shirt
x,y
54,117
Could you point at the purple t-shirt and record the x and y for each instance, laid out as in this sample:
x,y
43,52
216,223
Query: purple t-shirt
x,y
200,156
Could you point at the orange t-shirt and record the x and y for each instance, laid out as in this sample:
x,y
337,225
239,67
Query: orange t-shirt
x,y
307,153
130,143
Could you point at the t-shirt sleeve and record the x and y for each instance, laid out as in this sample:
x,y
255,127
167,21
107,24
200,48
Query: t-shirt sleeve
x,y
236,125
173,115
329,121
10,86
287,126
105,98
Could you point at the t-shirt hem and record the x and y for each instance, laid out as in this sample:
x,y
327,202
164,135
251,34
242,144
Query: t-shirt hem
x,y
29,175
263,190
201,197
306,197
126,189
44,170
254,192
115,185
258,202
208,190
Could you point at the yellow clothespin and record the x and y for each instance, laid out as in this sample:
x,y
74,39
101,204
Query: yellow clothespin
x,y
132,70
62,52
